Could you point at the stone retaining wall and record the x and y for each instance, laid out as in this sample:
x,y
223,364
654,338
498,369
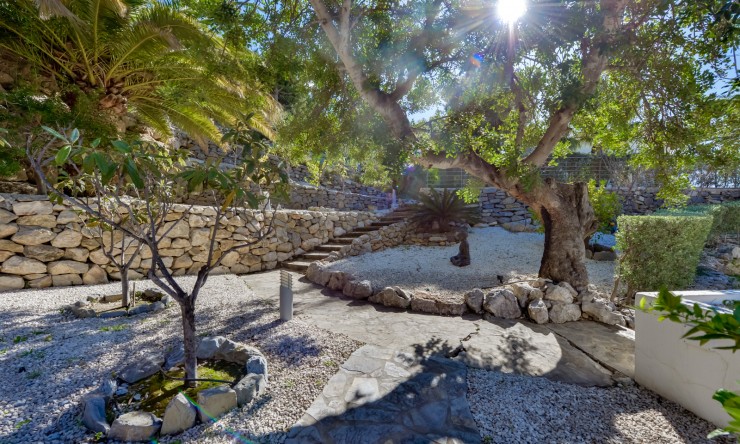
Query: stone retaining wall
x,y
306,196
497,207
43,244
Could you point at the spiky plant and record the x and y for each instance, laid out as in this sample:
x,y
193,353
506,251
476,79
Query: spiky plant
x,y
143,58
436,211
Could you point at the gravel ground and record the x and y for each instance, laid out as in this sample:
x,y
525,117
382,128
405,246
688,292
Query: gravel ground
x,y
494,251
49,361
512,408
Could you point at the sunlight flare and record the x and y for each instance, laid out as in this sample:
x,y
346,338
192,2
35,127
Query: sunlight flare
x,y
509,11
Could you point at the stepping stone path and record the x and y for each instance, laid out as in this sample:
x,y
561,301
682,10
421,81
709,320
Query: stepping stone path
x,y
384,395
301,263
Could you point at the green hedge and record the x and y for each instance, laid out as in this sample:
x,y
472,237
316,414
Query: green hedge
x,y
661,250
726,216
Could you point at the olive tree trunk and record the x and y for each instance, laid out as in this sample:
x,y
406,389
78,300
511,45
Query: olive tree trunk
x,y
568,219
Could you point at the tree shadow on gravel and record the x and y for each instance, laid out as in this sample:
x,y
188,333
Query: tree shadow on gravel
x,y
428,406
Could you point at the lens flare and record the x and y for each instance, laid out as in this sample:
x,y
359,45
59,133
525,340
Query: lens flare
x,y
509,11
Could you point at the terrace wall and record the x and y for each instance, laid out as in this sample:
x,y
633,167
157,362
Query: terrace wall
x,y
44,244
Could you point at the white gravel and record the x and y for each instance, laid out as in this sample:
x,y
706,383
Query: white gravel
x,y
56,360
511,408
493,251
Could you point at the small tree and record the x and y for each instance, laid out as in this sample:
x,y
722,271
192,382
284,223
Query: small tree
x,y
230,191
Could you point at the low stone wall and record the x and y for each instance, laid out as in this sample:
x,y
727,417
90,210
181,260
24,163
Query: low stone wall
x,y
43,244
497,207
644,200
306,196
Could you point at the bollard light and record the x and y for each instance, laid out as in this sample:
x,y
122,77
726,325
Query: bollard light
x,y
286,295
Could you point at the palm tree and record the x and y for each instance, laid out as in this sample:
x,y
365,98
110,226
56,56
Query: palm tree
x,y
142,58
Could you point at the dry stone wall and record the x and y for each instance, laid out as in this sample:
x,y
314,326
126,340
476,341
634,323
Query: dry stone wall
x,y
497,207
306,196
44,244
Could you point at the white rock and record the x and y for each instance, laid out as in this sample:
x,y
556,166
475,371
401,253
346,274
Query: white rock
x,y
134,426
67,267
602,311
561,313
33,236
358,289
179,415
503,304
474,300
537,311
556,293
215,402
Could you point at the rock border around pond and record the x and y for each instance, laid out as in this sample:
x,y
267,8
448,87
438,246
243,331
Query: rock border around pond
x,y
181,413
539,300
84,309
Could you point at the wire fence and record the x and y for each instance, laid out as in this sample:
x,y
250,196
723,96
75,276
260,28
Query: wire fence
x,y
614,171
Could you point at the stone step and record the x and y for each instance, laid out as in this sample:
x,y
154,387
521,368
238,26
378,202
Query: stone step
x,y
344,240
329,247
365,230
314,256
354,234
297,265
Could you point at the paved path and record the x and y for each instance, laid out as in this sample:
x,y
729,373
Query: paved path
x,y
409,384
572,352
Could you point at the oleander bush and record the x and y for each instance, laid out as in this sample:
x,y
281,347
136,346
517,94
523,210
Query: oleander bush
x,y
661,250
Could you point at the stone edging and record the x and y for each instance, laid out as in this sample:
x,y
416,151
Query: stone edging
x,y
541,301
181,413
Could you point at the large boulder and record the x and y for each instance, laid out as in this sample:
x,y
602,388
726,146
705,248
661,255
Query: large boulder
x,y
391,298
95,275
524,293
257,364
216,401
337,280
231,351
537,311
358,289
503,304
317,274
135,426
179,415
561,313
474,300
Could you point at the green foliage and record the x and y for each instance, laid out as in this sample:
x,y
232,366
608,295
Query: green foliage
x,y
471,192
441,209
660,250
725,216
706,325
605,203
147,58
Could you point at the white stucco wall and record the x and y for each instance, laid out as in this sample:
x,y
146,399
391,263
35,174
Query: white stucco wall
x,y
681,370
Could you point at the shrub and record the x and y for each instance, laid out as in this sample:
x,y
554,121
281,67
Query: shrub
x,y
661,250
438,210
726,216
605,203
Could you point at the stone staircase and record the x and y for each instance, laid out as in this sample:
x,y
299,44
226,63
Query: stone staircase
x,y
301,263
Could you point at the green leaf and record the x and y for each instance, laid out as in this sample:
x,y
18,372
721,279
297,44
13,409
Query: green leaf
x,y
133,173
95,143
62,155
54,133
74,136
121,146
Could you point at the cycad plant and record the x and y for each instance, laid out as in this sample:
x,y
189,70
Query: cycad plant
x,y
138,57
437,211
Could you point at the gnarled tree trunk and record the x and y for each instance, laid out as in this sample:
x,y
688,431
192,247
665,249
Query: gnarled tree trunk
x,y
568,219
